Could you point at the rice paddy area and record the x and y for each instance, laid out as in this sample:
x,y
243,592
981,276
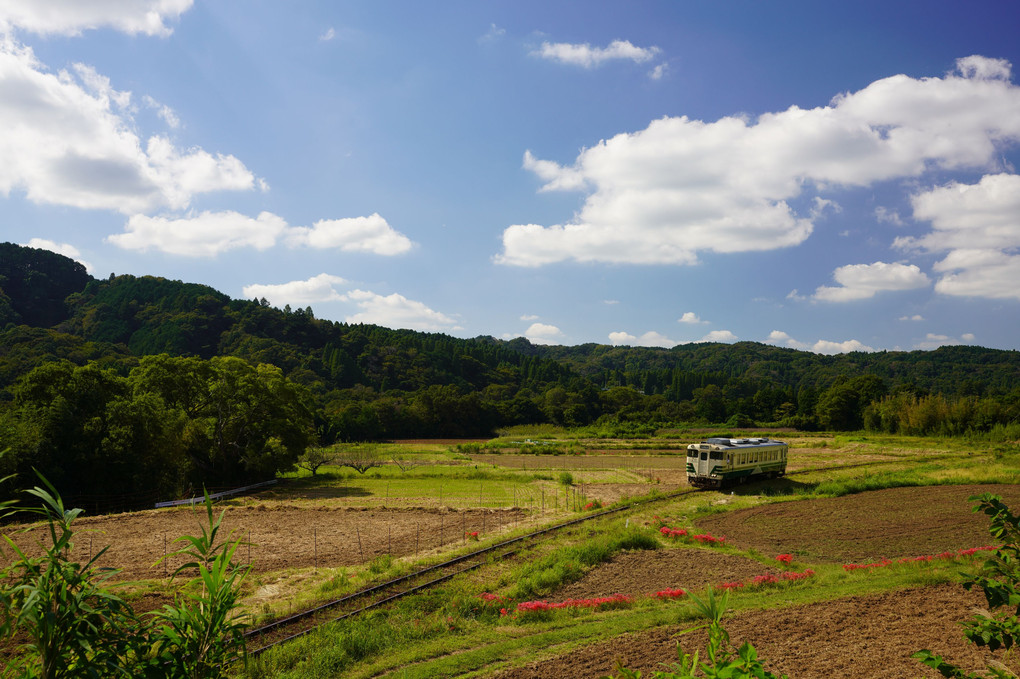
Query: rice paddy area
x,y
842,568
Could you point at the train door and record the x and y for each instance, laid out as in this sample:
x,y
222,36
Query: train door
x,y
704,464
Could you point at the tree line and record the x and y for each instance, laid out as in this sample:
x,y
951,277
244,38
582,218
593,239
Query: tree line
x,y
142,383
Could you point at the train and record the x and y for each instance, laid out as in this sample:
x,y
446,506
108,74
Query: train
x,y
717,462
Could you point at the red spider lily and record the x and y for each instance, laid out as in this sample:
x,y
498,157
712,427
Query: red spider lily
x,y
730,585
487,597
670,593
807,573
785,558
705,538
528,606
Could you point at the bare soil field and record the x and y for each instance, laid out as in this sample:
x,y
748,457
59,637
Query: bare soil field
x,y
855,637
637,574
280,536
891,523
861,637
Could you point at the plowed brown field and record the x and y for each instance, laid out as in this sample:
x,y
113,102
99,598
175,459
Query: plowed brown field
x,y
856,637
280,536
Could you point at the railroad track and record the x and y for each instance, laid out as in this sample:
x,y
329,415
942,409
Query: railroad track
x,y
301,623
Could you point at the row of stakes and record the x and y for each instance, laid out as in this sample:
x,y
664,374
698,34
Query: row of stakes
x,y
573,499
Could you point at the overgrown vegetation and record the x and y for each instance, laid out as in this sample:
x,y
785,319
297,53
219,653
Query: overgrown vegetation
x,y
77,626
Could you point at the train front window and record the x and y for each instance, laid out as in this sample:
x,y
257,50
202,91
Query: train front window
x,y
716,455
692,453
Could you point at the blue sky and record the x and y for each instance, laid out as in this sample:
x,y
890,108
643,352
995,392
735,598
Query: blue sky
x,y
824,176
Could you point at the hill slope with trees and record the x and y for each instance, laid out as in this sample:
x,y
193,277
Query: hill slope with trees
x,y
93,369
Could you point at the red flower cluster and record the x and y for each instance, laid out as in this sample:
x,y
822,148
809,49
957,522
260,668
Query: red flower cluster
x,y
489,598
530,606
785,558
670,593
594,504
767,579
673,532
945,556
471,535
703,538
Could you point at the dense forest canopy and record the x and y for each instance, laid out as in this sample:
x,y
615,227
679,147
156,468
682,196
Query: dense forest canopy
x,y
149,379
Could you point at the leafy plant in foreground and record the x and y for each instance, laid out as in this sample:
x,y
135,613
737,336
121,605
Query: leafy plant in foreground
x,y
201,633
999,579
75,626
722,658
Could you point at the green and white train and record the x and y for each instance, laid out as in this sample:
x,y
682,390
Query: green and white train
x,y
716,462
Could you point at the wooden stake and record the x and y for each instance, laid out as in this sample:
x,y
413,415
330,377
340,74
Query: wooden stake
x,y
360,550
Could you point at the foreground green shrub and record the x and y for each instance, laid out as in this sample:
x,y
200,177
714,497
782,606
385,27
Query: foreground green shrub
x,y
74,624
77,627
999,579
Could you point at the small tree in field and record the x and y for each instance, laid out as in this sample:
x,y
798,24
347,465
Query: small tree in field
x,y
999,579
313,458
358,456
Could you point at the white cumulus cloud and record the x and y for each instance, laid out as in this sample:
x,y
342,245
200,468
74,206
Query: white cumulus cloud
x,y
204,235
934,341
979,273
863,281
397,311
680,186
586,56
978,226
719,336
67,138
71,17
829,347
319,288
65,249
209,233
691,318
543,333
353,234
649,339
780,338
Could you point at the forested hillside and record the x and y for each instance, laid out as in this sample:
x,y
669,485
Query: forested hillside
x,y
96,369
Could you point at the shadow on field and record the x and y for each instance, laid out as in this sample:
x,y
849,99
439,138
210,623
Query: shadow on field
x,y
772,487
314,487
